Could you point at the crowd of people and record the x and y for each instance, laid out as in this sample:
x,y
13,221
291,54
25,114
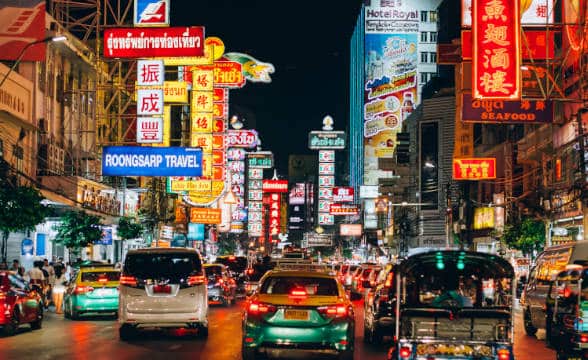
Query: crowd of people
x,y
49,278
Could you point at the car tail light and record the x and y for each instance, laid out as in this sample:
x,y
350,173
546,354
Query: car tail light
x,y
232,258
404,352
584,338
128,280
102,279
220,281
503,354
79,290
249,271
333,310
2,295
196,280
297,294
256,308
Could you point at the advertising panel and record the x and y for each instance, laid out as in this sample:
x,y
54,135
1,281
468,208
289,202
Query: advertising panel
x,y
483,218
175,92
533,12
275,186
201,101
497,57
241,138
23,22
474,169
150,72
149,130
150,102
326,169
390,94
154,42
205,215
297,194
151,13
326,219
259,159
201,122
504,111
342,194
326,140
369,192
343,209
228,74
151,161
350,230
195,232
313,239
274,214
326,156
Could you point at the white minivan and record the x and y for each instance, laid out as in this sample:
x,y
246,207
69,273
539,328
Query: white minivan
x,y
162,287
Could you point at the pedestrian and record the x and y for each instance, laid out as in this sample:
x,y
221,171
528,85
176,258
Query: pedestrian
x,y
36,277
59,289
17,268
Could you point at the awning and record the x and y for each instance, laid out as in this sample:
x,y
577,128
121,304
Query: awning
x,y
56,199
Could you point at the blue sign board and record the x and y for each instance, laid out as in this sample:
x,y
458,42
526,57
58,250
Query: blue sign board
x,y
26,247
151,161
195,232
106,237
151,13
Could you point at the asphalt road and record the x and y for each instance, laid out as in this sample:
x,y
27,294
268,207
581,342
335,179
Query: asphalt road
x,y
97,338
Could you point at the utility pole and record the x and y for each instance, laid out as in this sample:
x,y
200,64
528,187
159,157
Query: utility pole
x,y
448,213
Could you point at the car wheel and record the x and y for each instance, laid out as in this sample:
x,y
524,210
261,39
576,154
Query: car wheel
x,y
248,353
529,328
10,328
75,315
203,331
126,332
37,324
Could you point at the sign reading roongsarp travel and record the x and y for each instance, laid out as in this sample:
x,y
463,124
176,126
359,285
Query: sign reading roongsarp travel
x,y
151,161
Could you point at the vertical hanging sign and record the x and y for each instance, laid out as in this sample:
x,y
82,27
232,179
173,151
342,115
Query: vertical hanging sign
x,y
497,56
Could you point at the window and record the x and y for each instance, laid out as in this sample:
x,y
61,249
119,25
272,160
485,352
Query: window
x,y
95,276
424,16
423,78
433,57
424,36
424,57
433,36
432,16
282,285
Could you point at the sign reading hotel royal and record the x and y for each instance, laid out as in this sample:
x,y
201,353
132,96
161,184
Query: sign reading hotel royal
x,y
154,42
474,168
497,56
326,140
504,111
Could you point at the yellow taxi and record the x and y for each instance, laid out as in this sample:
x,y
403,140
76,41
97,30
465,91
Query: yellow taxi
x,y
298,307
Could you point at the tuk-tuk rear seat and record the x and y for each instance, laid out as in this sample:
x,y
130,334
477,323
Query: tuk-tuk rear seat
x,y
464,324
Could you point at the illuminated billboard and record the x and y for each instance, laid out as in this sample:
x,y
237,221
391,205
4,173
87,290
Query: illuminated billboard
x,y
474,169
154,42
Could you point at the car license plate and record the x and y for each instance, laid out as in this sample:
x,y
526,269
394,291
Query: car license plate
x,y
296,315
161,289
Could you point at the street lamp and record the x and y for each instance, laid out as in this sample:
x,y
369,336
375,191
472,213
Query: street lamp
x,y
24,49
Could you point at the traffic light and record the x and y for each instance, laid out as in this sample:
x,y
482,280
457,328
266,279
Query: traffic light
x,y
402,148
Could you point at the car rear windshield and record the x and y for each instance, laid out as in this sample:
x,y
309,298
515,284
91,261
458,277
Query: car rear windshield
x,y
237,264
213,270
174,266
283,285
94,276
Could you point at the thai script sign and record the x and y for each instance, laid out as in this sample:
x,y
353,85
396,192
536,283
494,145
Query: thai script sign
x,y
151,161
205,215
474,169
343,209
343,194
326,156
503,111
241,138
313,239
228,74
261,159
497,57
350,229
151,13
279,186
326,140
154,42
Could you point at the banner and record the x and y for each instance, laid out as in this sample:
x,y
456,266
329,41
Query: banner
x,y
151,161
506,112
474,169
154,42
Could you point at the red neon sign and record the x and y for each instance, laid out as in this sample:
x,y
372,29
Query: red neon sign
x,y
497,56
154,42
474,168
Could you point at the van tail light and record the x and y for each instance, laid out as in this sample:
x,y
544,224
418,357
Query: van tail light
x,y
194,280
584,338
257,308
333,310
80,290
404,352
503,354
128,280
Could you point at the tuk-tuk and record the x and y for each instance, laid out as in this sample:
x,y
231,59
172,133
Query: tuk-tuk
x,y
567,313
454,304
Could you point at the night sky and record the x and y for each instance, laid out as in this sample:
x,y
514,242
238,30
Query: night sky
x,y
308,44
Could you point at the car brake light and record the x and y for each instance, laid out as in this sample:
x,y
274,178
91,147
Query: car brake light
x,y
256,308
249,271
297,294
584,338
404,352
2,295
221,281
128,280
102,279
79,290
196,280
232,258
503,354
333,310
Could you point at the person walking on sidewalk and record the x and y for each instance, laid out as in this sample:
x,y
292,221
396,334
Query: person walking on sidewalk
x,y
59,289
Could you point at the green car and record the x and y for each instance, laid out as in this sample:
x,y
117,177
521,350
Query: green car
x,y
93,291
298,310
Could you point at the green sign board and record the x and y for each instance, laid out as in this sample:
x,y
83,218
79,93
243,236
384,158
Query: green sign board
x,y
263,160
334,140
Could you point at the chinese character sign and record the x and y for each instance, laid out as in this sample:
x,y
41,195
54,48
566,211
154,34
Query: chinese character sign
x,y
150,72
474,169
149,130
496,62
150,102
